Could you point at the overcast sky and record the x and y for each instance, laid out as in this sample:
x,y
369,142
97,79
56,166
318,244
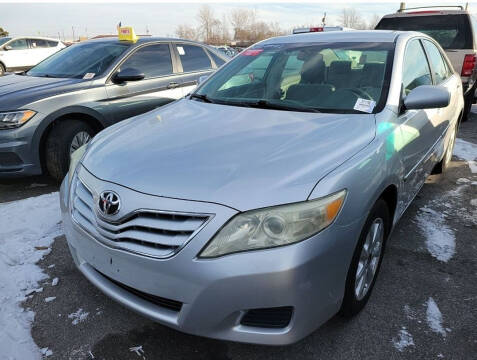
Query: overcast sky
x,y
51,19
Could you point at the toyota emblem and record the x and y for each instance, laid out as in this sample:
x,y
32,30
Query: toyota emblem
x,y
109,203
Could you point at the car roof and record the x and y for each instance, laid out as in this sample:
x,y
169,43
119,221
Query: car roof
x,y
33,37
428,12
338,36
143,40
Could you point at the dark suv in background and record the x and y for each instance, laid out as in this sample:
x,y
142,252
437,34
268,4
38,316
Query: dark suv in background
x,y
60,104
454,28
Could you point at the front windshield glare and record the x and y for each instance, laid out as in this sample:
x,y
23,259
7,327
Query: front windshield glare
x,y
91,58
325,77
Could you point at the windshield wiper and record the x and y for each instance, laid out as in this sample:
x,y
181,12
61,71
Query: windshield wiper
x,y
202,97
265,104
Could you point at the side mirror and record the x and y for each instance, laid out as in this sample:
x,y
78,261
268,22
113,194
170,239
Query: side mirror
x,y
427,97
7,47
202,79
128,74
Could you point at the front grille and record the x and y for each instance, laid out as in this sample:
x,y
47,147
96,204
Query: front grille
x,y
278,317
153,233
157,300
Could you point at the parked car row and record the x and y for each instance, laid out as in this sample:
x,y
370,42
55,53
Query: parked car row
x,y
257,205
60,104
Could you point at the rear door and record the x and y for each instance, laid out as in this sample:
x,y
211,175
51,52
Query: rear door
x,y
39,50
159,86
193,62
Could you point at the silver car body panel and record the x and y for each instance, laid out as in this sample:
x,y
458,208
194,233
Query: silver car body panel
x,y
191,157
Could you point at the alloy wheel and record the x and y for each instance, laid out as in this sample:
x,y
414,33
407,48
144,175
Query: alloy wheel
x,y
79,140
369,259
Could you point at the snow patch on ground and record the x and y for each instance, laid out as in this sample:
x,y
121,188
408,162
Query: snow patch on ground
x,y
79,316
403,340
49,299
440,239
434,317
26,226
138,350
54,282
467,151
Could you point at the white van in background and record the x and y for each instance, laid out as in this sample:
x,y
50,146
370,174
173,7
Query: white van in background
x,y
22,53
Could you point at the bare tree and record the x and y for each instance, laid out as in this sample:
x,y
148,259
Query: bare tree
x,y
373,21
3,32
351,18
186,32
208,24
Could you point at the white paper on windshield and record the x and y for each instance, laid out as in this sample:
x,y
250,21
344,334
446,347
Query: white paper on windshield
x,y
181,50
364,105
88,76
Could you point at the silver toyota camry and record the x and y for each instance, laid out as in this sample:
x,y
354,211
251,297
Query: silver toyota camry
x,y
259,206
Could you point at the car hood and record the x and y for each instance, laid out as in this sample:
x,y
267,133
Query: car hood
x,y
244,158
19,90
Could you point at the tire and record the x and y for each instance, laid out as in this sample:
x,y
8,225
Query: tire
x,y
59,144
442,166
353,303
2,70
468,101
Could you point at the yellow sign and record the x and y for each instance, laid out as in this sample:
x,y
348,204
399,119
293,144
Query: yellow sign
x,y
126,33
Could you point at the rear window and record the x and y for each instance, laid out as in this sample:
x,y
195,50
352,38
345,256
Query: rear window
x,y
450,31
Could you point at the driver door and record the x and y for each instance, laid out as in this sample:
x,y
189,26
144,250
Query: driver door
x,y
156,89
18,55
418,130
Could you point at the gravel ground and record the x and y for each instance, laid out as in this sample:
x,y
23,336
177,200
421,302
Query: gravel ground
x,y
421,307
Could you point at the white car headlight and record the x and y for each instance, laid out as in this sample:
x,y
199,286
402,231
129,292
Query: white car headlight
x,y
13,119
75,158
274,226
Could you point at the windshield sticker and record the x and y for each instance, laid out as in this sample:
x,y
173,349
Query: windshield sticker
x,y
88,76
181,50
364,105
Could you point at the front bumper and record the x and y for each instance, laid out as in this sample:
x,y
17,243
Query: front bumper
x,y
216,293
19,154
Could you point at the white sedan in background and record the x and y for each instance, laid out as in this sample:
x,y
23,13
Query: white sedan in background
x,y
22,53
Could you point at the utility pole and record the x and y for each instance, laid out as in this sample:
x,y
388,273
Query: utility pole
x,y
73,29
402,7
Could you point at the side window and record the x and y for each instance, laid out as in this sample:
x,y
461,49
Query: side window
x,y
218,61
38,43
152,60
438,66
52,43
193,58
415,68
20,44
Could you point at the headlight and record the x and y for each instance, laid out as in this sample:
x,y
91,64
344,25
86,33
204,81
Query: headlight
x,y
13,119
75,159
274,226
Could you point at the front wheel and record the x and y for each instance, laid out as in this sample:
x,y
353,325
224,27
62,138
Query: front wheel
x,y
366,260
2,70
65,137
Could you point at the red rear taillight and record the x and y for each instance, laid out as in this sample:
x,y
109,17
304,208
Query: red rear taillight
x,y
469,64
316,29
251,52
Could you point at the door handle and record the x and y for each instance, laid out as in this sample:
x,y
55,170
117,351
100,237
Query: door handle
x,y
172,85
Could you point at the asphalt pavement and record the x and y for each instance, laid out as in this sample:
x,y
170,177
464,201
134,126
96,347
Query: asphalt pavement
x,y
399,322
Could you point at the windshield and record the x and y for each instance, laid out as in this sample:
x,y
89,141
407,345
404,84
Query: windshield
x,y
91,58
4,40
450,31
325,77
